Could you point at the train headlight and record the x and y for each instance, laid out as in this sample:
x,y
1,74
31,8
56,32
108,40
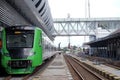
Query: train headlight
x,y
28,52
31,53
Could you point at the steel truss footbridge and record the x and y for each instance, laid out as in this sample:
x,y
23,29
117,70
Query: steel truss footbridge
x,y
85,26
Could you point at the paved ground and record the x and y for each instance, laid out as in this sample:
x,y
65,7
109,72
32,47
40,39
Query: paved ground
x,y
57,70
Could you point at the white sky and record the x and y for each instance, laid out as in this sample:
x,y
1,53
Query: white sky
x,y
76,9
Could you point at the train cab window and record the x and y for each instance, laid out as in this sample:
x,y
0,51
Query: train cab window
x,y
21,40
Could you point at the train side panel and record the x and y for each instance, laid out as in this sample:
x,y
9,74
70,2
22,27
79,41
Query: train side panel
x,y
37,49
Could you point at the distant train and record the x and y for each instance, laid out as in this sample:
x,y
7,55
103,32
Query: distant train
x,y
24,48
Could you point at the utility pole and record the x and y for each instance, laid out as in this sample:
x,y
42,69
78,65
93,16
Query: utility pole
x,y
87,13
87,9
68,16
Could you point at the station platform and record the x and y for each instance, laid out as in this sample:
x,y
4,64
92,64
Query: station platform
x,y
106,71
57,70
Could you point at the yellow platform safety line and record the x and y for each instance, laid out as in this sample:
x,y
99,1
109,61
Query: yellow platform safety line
x,y
103,73
117,78
36,78
111,76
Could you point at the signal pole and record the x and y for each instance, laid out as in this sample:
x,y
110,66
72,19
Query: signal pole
x,y
69,42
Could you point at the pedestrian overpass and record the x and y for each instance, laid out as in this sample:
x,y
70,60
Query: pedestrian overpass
x,y
85,26
37,13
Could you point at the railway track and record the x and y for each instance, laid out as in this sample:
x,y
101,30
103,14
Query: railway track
x,y
22,77
80,71
16,77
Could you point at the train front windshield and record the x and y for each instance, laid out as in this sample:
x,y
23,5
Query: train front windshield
x,y
20,40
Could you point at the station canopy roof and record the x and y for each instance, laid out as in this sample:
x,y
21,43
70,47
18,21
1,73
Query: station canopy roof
x,y
102,42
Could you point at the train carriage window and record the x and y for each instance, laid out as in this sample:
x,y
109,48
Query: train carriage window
x,y
41,40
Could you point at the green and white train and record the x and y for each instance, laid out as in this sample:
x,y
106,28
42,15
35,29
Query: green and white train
x,y
24,48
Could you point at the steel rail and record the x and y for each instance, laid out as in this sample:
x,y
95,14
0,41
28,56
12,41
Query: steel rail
x,y
79,74
83,66
96,76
